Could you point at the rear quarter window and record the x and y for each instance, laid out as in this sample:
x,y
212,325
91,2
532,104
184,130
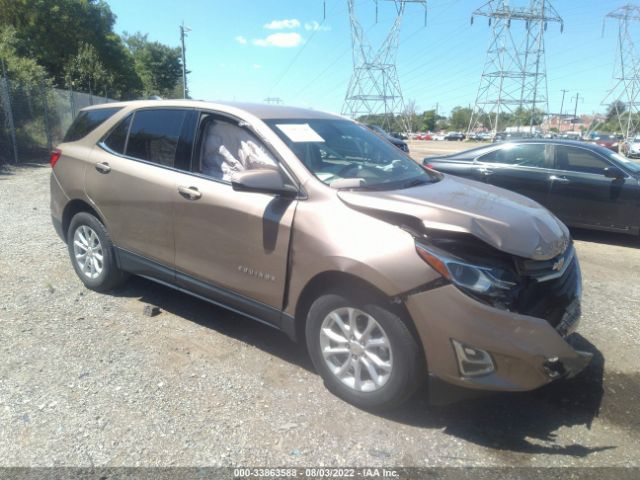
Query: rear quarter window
x,y
87,121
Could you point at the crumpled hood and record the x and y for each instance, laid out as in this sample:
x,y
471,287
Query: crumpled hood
x,y
505,220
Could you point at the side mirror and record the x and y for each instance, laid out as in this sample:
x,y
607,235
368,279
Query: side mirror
x,y
614,172
262,181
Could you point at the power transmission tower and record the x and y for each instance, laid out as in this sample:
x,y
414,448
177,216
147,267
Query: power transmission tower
x,y
514,78
374,87
623,97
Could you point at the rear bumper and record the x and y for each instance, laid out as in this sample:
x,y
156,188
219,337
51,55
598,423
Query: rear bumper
x,y
527,352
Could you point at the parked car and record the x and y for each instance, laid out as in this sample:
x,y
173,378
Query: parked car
x,y
454,136
631,148
312,224
609,141
401,144
584,184
439,137
423,136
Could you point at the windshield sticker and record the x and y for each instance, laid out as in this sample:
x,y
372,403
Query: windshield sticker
x,y
300,132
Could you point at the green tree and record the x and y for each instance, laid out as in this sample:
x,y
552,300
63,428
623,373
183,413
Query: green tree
x,y
460,118
428,120
86,71
158,66
21,70
52,31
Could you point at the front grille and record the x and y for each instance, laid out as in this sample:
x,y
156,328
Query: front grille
x,y
547,292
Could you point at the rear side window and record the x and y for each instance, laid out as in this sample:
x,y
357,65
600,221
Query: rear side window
x,y
154,135
117,139
87,121
579,160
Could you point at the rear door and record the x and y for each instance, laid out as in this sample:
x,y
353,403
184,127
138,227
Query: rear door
x,y
581,195
231,246
519,167
133,181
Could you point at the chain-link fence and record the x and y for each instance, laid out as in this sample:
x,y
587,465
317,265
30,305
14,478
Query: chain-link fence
x,y
34,118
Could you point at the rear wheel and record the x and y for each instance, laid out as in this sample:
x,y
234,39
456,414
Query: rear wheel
x,y
92,255
364,351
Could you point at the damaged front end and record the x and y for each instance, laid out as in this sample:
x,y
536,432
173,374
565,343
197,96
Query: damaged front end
x,y
511,287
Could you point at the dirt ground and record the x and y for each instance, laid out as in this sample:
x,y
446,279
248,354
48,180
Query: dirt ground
x,y
87,380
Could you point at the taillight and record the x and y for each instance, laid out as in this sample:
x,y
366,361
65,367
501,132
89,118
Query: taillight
x,y
55,156
428,165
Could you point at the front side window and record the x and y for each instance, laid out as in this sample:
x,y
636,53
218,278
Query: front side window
x,y
154,135
579,160
227,148
336,149
523,155
87,121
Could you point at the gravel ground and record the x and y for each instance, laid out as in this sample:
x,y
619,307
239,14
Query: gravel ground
x,y
87,380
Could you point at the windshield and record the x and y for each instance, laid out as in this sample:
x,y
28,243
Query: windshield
x,y
629,164
337,151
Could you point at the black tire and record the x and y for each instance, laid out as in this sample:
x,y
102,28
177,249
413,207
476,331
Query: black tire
x,y
110,276
408,368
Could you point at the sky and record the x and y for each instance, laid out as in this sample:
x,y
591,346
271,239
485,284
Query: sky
x,y
249,50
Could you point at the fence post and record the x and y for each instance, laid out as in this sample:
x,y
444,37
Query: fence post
x,y
5,95
45,103
72,103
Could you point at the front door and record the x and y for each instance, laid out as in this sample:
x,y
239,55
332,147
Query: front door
x,y
231,246
519,167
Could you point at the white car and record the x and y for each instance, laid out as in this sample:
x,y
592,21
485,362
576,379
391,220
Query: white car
x,y
439,136
632,147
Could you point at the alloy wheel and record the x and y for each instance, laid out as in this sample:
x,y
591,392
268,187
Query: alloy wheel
x,y
88,253
356,349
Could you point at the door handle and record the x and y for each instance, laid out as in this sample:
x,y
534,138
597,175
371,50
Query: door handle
x,y
555,178
486,171
103,167
191,193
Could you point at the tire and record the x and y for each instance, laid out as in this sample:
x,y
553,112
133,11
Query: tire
x,y
404,356
87,234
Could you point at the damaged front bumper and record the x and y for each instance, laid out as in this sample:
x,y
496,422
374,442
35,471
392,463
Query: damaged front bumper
x,y
526,352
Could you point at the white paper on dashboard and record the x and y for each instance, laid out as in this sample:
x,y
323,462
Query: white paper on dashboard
x,y
300,132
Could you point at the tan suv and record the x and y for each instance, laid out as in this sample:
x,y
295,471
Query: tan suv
x,y
312,224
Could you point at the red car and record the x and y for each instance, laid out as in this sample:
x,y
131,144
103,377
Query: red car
x,y
424,136
607,141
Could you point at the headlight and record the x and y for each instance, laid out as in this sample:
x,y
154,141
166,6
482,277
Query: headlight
x,y
492,285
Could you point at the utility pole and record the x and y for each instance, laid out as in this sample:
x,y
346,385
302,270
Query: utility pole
x,y
575,110
183,33
514,77
561,107
374,87
626,70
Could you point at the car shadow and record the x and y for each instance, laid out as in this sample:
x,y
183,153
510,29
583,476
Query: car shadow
x,y
511,422
216,318
524,422
610,238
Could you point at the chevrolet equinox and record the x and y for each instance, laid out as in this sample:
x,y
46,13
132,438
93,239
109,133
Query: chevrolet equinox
x,y
314,225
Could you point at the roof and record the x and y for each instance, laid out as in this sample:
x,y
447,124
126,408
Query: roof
x,y
261,110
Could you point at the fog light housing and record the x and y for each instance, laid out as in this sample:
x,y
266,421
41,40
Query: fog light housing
x,y
472,361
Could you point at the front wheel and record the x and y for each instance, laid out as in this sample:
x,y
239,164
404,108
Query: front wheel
x,y
364,352
92,255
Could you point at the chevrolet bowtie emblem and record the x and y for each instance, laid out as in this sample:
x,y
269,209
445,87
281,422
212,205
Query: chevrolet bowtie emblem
x,y
558,265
